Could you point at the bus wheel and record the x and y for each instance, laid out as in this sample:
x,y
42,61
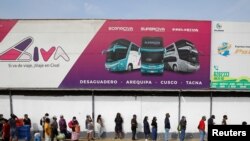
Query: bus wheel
x,y
175,68
130,67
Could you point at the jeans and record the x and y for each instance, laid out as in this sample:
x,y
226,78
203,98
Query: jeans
x,y
146,135
13,133
202,135
154,134
166,134
100,130
133,134
182,135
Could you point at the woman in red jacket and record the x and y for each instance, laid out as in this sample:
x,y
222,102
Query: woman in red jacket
x,y
6,130
202,127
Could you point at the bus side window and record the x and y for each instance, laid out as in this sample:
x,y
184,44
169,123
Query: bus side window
x,y
170,59
170,48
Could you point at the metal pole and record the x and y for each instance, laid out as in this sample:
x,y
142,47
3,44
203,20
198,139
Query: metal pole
x,y
93,111
211,104
11,104
179,108
179,112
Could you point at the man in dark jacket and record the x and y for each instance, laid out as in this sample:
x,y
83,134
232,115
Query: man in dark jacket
x,y
210,121
26,120
133,126
54,127
13,128
183,126
63,125
167,126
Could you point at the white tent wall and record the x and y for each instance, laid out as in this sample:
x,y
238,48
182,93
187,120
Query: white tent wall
x,y
237,109
5,105
193,108
37,106
150,106
159,106
109,106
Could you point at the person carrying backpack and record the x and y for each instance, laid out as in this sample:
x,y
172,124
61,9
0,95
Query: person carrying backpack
x,y
42,122
182,127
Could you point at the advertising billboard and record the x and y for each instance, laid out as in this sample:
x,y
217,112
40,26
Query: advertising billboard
x,y
230,68
105,54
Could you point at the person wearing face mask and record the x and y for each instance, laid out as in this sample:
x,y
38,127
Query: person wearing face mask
x,y
74,125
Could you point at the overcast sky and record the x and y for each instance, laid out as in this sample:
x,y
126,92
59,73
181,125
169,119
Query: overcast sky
x,y
217,10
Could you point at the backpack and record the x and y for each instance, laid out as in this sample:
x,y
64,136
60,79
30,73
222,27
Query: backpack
x,y
41,122
179,127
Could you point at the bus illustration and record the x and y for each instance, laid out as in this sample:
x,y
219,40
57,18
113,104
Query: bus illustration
x,y
181,56
122,55
152,53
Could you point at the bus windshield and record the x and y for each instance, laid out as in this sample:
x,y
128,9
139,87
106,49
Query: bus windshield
x,y
116,55
118,50
188,55
187,51
152,57
193,58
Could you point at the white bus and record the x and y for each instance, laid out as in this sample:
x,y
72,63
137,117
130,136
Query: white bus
x,y
122,55
181,56
152,55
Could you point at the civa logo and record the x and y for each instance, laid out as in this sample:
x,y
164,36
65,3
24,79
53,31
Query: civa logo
x,y
18,53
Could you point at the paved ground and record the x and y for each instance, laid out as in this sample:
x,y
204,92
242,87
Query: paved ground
x,y
110,139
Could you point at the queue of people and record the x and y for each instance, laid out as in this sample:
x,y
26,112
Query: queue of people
x,y
8,128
